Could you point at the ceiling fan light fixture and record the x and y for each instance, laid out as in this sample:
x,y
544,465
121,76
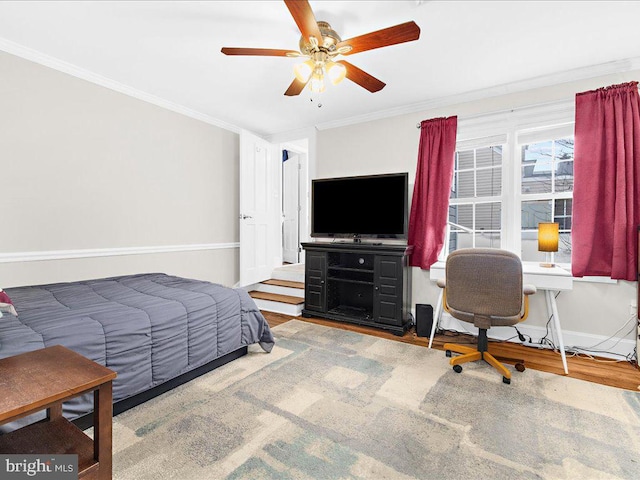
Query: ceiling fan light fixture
x,y
336,72
303,71
320,44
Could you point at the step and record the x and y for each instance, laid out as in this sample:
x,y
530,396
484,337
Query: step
x,y
282,287
285,283
292,273
273,302
275,297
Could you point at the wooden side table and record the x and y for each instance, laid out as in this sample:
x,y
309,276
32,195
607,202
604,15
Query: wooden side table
x,y
43,379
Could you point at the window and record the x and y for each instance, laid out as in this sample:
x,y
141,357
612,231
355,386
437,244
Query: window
x,y
512,171
546,194
475,203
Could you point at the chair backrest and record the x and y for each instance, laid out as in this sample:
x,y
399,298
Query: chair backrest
x,y
484,286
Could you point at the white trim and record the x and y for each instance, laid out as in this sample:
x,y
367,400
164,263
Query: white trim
x,y
609,68
523,118
621,346
292,135
596,279
482,142
544,134
38,256
79,72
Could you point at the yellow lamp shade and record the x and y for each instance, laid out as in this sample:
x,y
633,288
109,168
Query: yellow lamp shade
x,y
548,235
336,72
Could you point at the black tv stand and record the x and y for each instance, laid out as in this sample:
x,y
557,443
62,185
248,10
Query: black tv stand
x,y
363,283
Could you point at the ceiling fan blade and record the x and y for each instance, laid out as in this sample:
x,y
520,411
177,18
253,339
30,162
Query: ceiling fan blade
x,y
295,88
362,78
405,32
305,19
266,52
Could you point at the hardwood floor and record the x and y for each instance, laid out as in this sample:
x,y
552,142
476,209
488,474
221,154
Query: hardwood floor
x,y
620,374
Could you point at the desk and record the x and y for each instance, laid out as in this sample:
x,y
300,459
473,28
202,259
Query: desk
x,y
548,279
43,379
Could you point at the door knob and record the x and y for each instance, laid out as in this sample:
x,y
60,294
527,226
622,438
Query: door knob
x,y
244,217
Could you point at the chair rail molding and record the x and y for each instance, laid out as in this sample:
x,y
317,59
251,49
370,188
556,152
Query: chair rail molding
x,y
36,256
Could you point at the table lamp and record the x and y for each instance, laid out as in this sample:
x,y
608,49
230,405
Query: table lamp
x,y
548,235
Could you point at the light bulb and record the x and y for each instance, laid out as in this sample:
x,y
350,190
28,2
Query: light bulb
x,y
303,71
317,79
317,83
336,72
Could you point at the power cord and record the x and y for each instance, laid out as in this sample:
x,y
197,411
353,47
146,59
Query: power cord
x,y
575,350
572,350
521,336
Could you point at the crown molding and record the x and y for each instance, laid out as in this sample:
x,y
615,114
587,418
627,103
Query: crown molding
x,y
38,256
78,72
608,68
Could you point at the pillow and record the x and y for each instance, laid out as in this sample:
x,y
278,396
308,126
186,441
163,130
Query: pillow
x,y
6,305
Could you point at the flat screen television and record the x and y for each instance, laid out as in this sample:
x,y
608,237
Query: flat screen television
x,y
373,206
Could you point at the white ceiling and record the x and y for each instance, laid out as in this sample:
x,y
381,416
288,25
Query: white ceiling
x,y
171,50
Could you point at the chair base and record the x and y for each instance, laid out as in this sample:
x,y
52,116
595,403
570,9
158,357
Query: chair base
x,y
471,355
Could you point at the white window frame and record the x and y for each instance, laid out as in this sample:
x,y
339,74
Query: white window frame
x,y
475,144
512,128
529,137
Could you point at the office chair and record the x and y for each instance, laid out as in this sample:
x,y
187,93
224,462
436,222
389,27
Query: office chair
x,y
483,286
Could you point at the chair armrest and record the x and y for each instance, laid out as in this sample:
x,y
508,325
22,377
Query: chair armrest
x,y
441,282
527,290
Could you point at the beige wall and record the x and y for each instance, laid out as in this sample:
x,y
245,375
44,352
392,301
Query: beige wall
x,y
391,145
84,167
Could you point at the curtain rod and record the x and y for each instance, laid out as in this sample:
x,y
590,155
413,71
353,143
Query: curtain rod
x,y
509,110
534,105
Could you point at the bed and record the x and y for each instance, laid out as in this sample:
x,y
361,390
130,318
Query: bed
x,y
155,330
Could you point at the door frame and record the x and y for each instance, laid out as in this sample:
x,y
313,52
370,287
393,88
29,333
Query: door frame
x,y
303,191
259,209
301,148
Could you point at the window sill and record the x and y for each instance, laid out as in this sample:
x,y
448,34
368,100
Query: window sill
x,y
440,264
588,279
595,280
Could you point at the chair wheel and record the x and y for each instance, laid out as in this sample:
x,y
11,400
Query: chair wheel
x,y
520,367
448,353
457,368
506,380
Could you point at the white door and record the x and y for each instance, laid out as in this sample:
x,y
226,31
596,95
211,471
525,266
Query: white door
x,y
259,209
290,208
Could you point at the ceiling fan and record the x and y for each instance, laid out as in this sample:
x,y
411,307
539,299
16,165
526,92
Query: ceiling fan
x,y
321,44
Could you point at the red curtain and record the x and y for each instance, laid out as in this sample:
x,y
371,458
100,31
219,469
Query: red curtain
x,y
430,202
606,194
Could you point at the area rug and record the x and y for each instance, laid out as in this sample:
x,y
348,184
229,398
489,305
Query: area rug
x,y
332,404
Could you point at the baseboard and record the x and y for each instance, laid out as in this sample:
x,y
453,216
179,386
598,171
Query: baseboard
x,y
618,347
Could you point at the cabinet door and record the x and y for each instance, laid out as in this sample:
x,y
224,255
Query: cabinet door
x,y
315,288
387,296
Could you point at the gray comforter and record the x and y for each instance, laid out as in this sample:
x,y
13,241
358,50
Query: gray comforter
x,y
148,328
